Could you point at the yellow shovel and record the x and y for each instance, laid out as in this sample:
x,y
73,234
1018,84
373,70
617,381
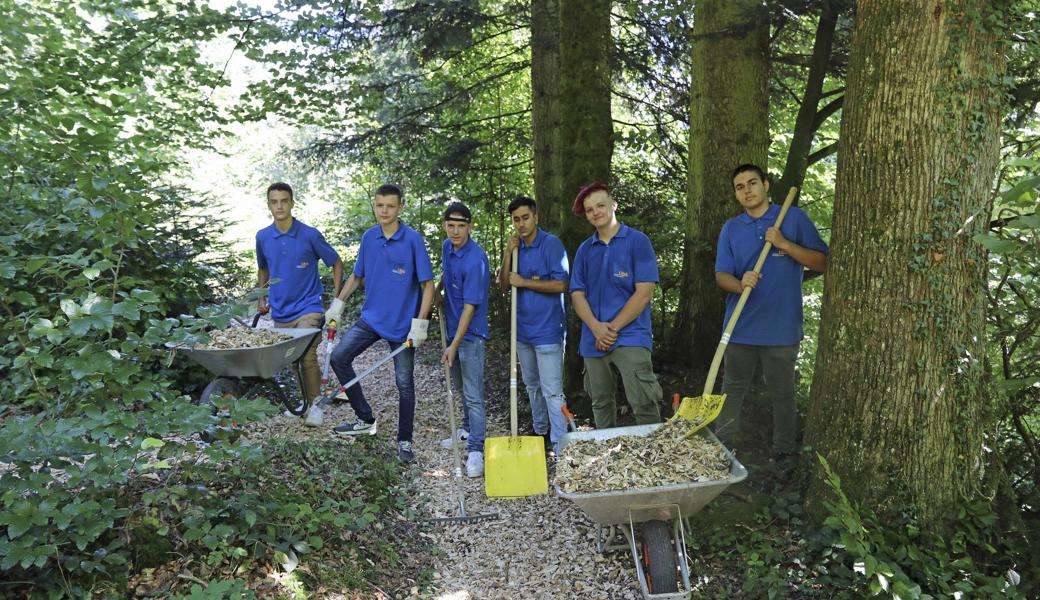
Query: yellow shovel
x,y
705,408
514,466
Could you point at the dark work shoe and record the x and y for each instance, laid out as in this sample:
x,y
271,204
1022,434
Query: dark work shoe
x,y
404,452
358,427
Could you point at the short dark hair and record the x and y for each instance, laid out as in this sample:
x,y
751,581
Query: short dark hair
x,y
460,208
280,187
748,167
388,189
522,201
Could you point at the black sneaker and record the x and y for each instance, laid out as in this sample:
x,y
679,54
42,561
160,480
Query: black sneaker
x,y
358,427
404,452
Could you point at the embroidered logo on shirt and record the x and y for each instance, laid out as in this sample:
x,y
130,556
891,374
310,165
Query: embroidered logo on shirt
x,y
621,274
303,265
399,270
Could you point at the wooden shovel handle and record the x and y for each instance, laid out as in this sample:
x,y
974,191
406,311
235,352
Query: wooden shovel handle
x,y
513,426
709,383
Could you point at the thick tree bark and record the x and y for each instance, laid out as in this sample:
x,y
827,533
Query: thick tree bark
x,y
545,117
586,132
729,112
897,400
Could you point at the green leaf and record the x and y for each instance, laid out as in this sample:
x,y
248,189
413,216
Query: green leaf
x,y
250,517
151,443
91,273
33,264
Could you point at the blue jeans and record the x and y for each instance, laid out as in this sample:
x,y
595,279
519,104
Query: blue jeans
x,y
541,367
357,339
467,374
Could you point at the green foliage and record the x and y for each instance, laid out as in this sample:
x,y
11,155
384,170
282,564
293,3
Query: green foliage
x,y
855,555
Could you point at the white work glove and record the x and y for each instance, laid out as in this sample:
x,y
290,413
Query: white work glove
x,y
335,311
418,331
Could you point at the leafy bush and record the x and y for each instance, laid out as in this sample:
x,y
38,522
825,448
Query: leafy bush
x,y
855,554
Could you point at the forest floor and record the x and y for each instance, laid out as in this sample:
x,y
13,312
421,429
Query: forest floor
x,y
538,547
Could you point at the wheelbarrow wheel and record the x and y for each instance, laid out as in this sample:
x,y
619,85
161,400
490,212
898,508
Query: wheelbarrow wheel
x,y
218,391
659,558
275,392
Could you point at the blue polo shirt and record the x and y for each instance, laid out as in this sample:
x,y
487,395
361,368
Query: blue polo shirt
x,y
772,315
292,259
466,277
539,316
608,274
394,270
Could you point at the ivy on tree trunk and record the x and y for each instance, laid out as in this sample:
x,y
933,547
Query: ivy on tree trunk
x,y
897,402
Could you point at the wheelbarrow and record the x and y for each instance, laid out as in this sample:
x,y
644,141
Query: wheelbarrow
x,y
251,372
651,519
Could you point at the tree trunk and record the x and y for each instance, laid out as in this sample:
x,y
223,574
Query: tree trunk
x,y
586,133
808,120
897,399
545,117
729,112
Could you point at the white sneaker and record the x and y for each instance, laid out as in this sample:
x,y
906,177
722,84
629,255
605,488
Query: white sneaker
x,y
461,435
475,464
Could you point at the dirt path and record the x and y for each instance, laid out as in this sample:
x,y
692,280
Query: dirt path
x,y
541,547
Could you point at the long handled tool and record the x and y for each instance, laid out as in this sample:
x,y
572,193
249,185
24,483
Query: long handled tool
x,y
456,452
515,465
705,408
330,336
315,415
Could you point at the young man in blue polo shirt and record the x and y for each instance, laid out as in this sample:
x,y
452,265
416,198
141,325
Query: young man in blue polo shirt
x,y
612,283
288,251
541,280
395,267
466,274
770,327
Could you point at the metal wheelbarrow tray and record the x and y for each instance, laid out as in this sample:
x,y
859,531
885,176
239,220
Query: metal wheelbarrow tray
x,y
262,361
655,555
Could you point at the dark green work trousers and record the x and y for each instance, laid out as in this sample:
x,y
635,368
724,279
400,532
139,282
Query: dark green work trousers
x,y
778,371
637,375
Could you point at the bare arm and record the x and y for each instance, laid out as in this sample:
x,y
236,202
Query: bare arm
x,y
337,277
640,299
468,310
427,299
545,286
353,282
728,282
262,277
604,336
810,259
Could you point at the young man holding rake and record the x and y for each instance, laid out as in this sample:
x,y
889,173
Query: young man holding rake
x,y
395,267
466,274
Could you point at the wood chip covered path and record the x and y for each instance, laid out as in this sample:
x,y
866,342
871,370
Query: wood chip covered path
x,y
540,547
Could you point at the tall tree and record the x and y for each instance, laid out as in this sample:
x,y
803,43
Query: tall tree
x,y
729,112
810,116
897,400
545,116
586,131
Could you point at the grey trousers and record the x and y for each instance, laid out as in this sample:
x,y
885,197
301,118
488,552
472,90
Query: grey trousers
x,y
778,371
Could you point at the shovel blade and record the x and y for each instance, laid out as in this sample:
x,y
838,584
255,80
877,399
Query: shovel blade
x,y
701,410
515,467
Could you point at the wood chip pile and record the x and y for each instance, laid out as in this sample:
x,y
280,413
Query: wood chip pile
x,y
625,462
243,337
